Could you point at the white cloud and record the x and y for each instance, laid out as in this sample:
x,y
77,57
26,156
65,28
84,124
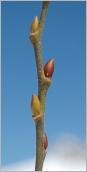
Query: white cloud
x,y
66,154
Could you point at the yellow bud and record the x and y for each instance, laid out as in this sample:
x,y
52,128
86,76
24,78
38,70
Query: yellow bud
x,y
35,105
34,25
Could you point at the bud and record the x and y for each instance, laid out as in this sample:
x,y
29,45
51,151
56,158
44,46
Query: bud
x,y
34,25
49,68
35,105
45,141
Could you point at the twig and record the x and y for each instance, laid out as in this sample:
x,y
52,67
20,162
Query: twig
x,y
43,85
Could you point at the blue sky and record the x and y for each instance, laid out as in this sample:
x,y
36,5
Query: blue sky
x,y
64,39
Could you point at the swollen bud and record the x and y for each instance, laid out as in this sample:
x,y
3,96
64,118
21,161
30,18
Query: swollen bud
x,y
49,68
35,105
45,141
34,25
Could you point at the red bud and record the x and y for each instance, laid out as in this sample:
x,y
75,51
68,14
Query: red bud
x,y
49,68
45,141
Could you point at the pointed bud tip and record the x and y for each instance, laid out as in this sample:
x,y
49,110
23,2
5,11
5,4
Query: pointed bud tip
x,y
49,68
35,105
34,25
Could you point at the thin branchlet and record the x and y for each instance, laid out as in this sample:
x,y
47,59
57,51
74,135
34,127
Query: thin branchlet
x,y
43,85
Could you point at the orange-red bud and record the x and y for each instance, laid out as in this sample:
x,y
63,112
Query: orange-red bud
x,y
49,68
45,141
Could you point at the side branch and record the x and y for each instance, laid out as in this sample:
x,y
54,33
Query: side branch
x,y
43,15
